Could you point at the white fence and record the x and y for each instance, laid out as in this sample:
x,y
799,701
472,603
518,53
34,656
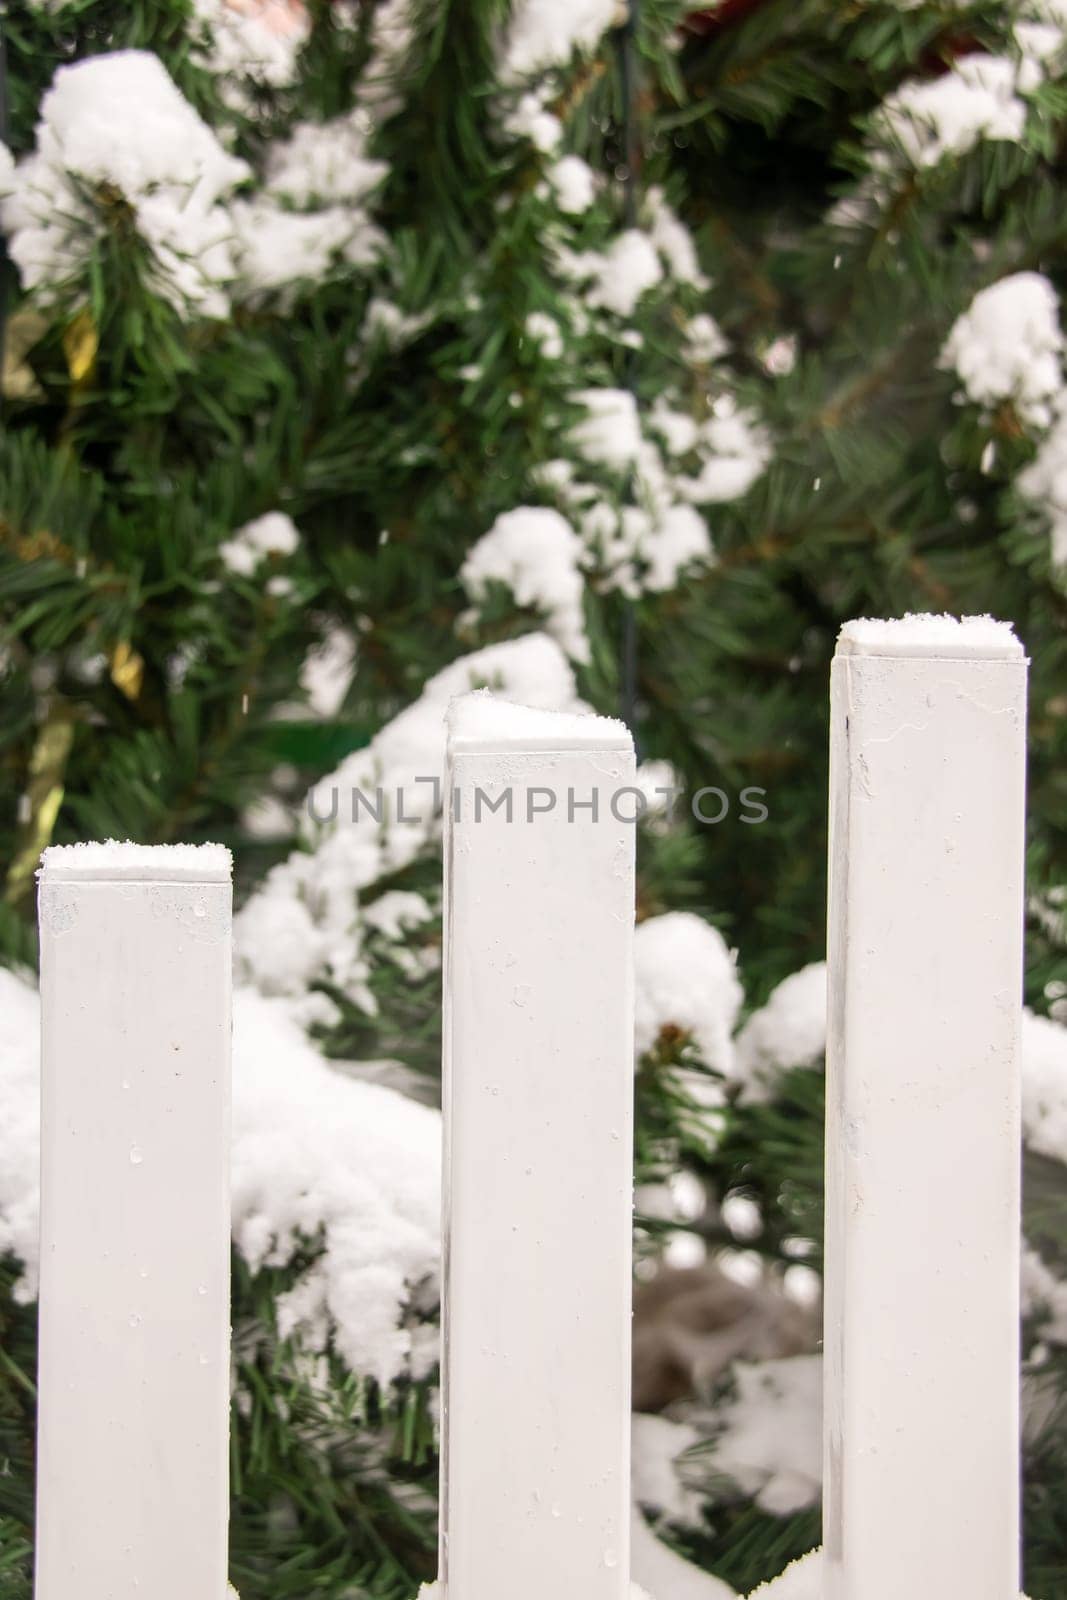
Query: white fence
x,y
921,1364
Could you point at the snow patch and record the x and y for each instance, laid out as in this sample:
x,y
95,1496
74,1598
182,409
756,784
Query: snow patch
x,y
1007,346
190,863
480,719
789,1031
115,135
923,634
685,977
536,553
545,33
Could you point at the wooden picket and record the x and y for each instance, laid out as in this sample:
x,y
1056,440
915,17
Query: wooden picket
x,y
921,1426
538,1098
922,1220
134,1381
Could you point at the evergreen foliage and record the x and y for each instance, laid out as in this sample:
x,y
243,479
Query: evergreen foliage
x,y
152,689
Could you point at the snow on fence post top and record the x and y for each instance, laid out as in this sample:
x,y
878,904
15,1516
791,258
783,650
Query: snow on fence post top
x,y
132,1495
939,637
118,861
921,1425
538,1091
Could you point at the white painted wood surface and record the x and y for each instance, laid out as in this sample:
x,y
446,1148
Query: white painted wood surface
x,y
538,1162
922,1222
134,1301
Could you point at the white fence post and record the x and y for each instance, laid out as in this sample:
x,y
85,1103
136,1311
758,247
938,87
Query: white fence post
x,y
134,1300
538,1156
922,1220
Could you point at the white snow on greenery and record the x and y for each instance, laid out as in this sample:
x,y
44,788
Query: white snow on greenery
x,y
685,978
529,118
322,162
659,1486
610,431
679,430
1044,481
249,43
646,546
309,216
926,120
272,534
327,671
116,138
395,912
385,322
673,241
278,248
545,33
789,1031
769,1433
643,548
1007,345
536,553
704,340
317,1154
735,448
317,1157
302,925
20,1092
637,259
573,182
1044,1297
546,333
392,32
1044,1054
616,278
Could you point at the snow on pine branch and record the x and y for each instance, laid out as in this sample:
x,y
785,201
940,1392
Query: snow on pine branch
x,y
303,925
274,533
636,548
114,134
116,139
640,526
248,45
978,99
1008,345
547,33
1044,481
317,1157
685,977
536,553
982,98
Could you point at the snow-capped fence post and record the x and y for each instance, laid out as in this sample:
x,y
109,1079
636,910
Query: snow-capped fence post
x,y
134,1300
922,1209
538,1155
